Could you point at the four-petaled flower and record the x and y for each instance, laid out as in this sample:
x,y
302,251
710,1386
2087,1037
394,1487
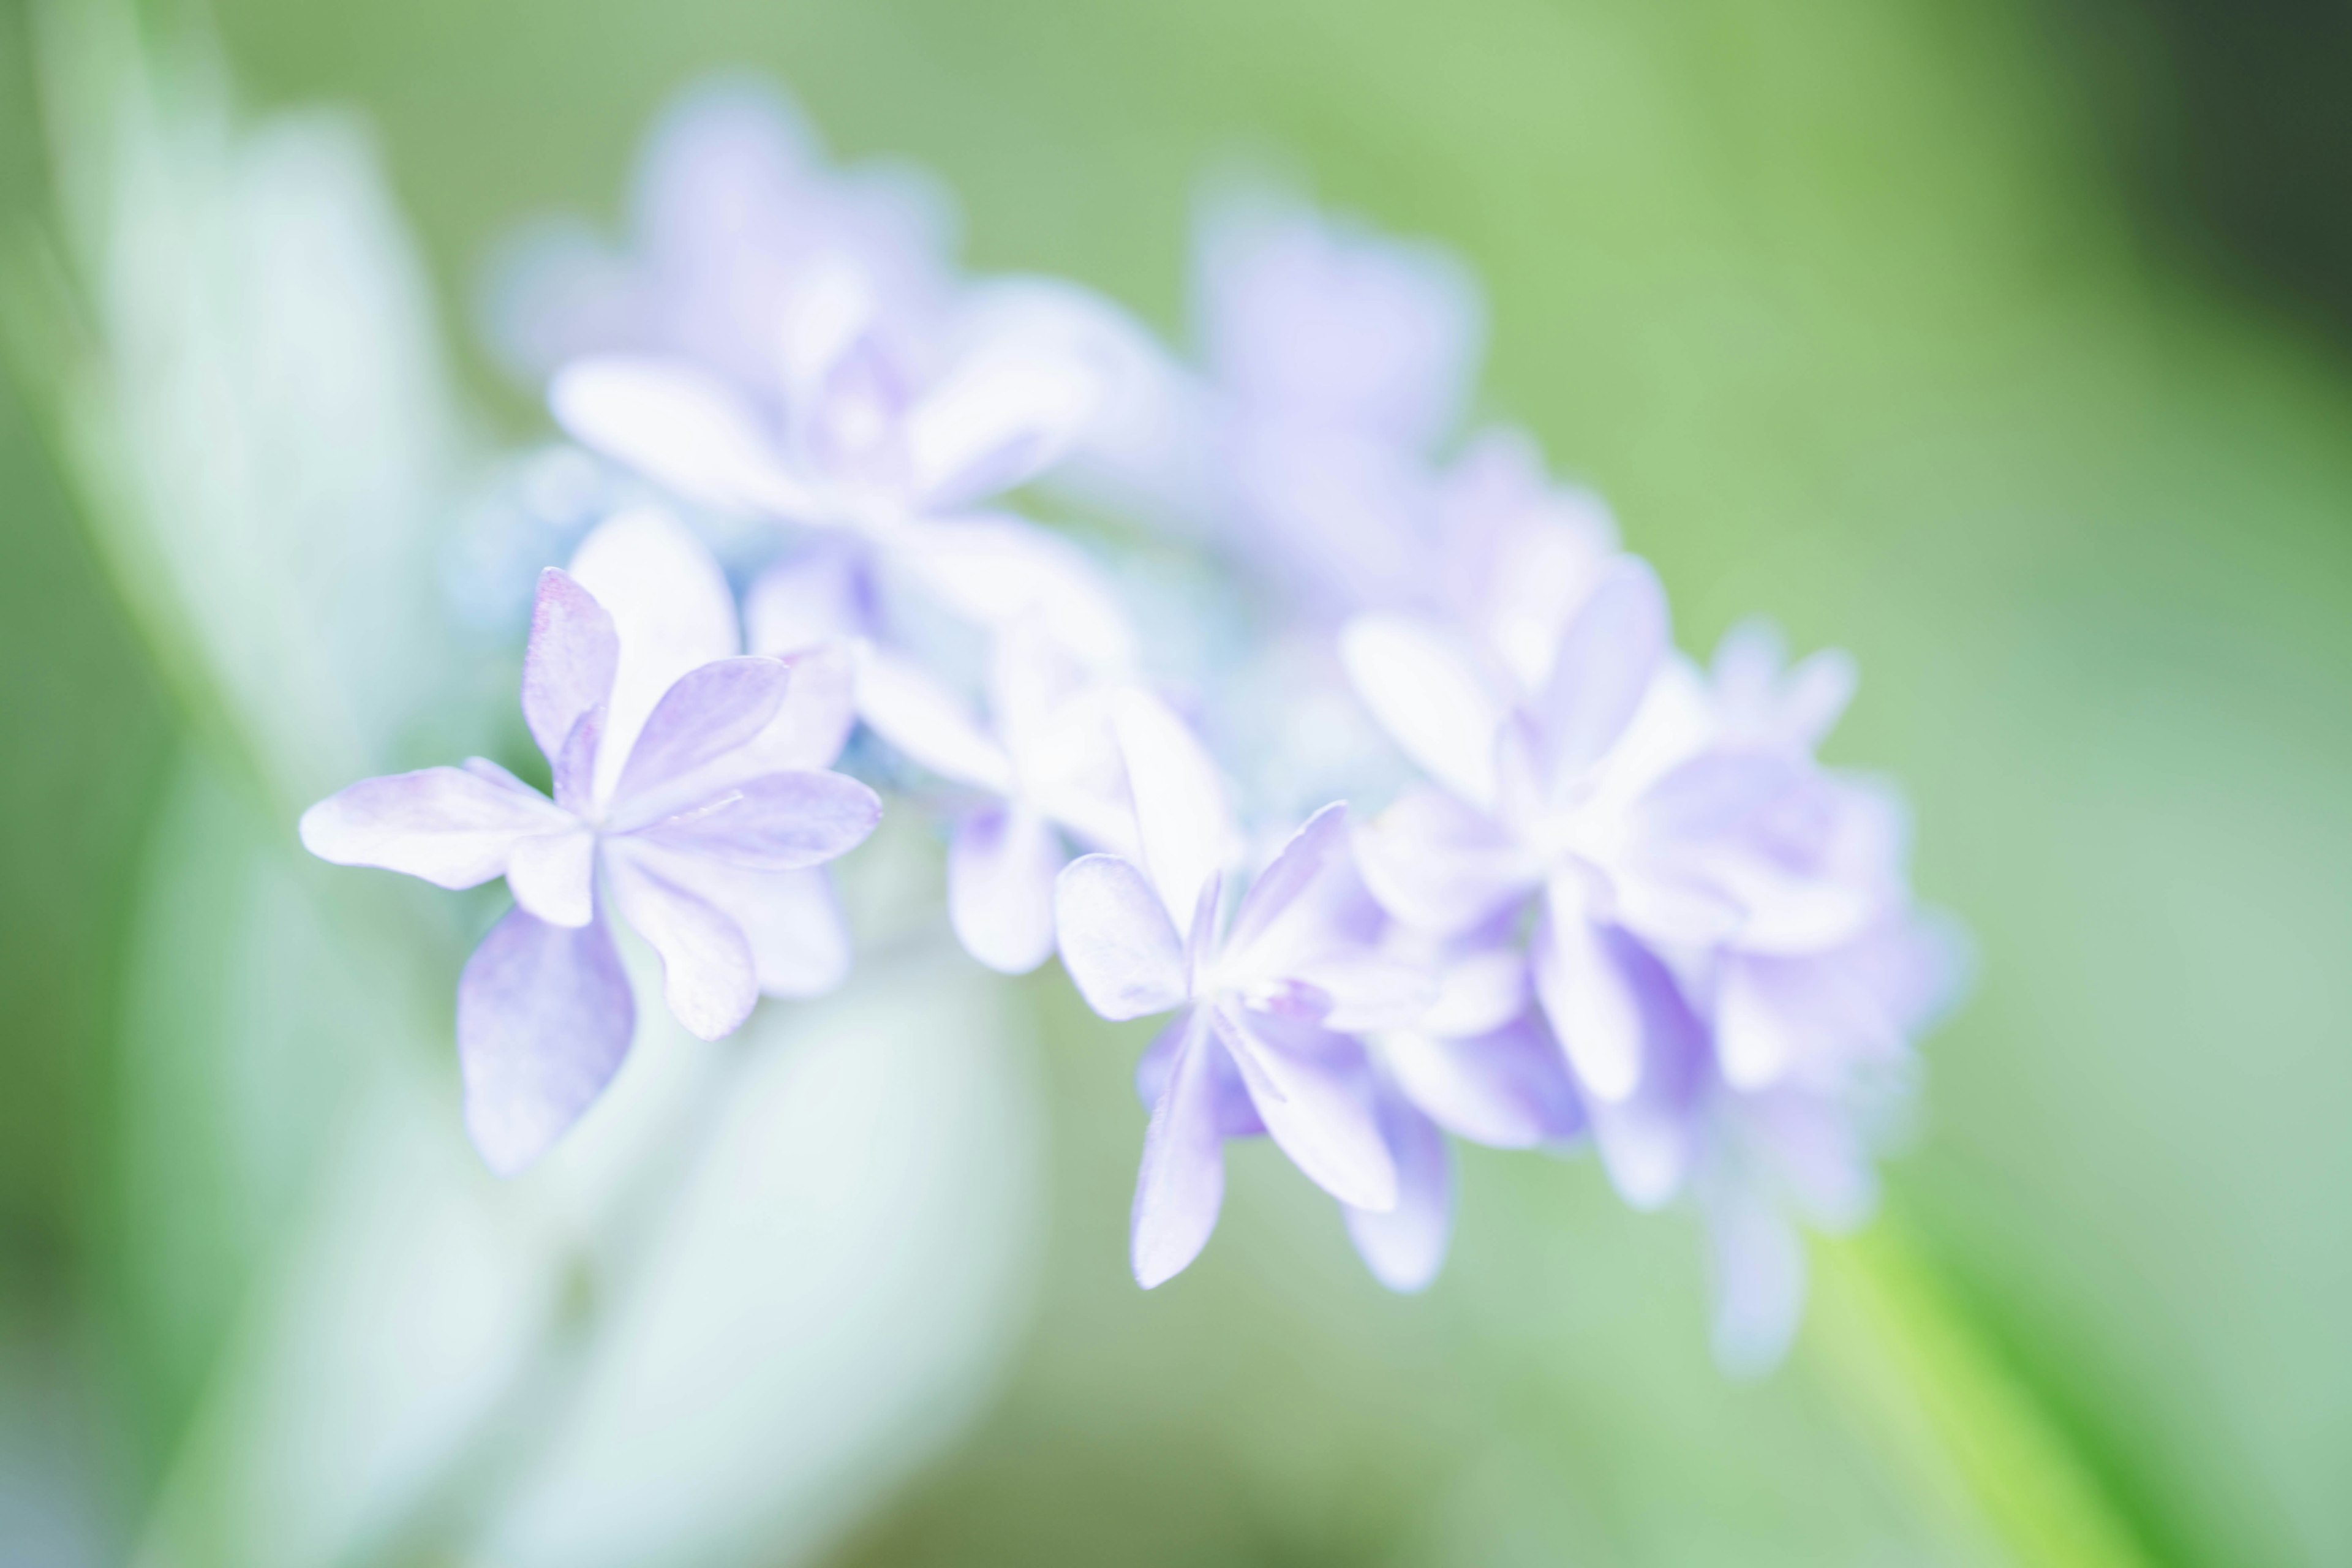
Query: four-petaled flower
x,y
1272,1002
686,793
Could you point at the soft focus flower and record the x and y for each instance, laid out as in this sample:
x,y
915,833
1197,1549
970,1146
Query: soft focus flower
x,y
690,793
1272,1002
1045,764
732,209
1478,1064
1596,792
884,446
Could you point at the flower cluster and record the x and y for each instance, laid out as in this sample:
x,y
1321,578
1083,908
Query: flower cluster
x,y
1606,896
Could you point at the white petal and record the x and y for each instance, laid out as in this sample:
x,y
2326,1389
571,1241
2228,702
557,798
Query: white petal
x,y
1180,816
553,876
998,572
707,975
907,707
1002,415
1428,695
1001,870
1117,941
679,427
672,608
1588,998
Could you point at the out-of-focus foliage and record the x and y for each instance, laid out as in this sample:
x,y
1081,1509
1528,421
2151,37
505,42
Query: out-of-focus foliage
x,y
1839,306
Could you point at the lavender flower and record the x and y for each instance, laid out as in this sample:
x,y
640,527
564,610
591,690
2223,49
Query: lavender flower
x,y
690,793
885,447
1596,792
1271,1006
1045,765
1478,1064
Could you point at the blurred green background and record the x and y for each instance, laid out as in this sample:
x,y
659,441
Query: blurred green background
x,y
2000,342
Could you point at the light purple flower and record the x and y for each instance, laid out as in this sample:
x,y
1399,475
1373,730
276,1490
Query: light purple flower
x,y
689,794
1271,1004
732,209
1045,764
886,450
1597,791
1478,1064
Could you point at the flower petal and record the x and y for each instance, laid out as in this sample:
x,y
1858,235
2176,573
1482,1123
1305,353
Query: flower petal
x,y
921,718
782,822
998,419
1313,1091
1180,816
1405,1247
1755,1262
707,975
1438,864
996,571
709,712
1001,871
820,593
673,611
456,828
1580,974
568,668
1607,658
1236,1117
1117,941
1649,1141
544,1018
813,723
799,941
1182,1181
1285,888
1479,993
1425,691
1509,1088
554,876
679,427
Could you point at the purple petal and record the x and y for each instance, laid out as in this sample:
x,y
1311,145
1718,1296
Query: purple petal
x,y
1236,1117
1313,1092
455,827
1509,1088
931,725
1180,816
1757,1264
1277,925
707,976
1309,316
1117,941
997,572
544,1017
1816,694
782,822
1580,973
554,876
567,670
1427,693
1437,865
679,427
709,712
1649,1141
1405,1247
1182,1183
672,608
793,921
1001,871
1607,658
